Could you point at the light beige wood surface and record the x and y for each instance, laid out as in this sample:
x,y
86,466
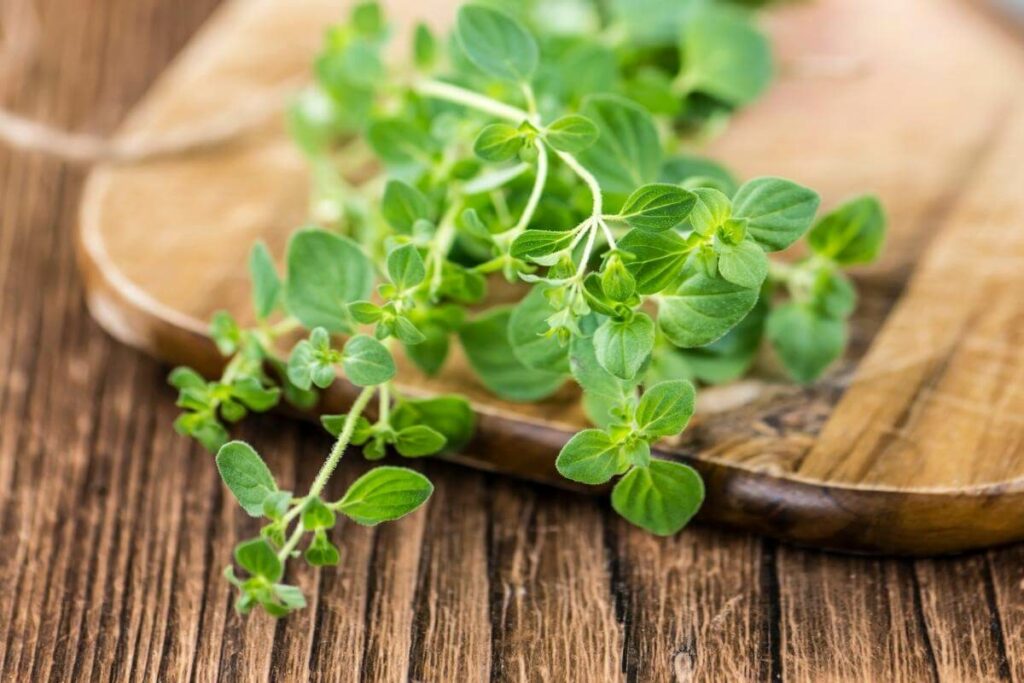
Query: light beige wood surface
x,y
916,449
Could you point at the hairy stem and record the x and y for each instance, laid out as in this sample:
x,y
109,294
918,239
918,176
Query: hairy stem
x,y
535,194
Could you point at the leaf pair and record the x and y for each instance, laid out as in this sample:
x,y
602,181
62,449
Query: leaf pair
x,y
365,360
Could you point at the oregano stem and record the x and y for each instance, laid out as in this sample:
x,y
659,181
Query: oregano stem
x,y
468,98
535,194
327,469
587,177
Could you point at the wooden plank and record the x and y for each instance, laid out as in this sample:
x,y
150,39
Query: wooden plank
x,y
695,607
452,629
850,619
1005,593
962,619
552,602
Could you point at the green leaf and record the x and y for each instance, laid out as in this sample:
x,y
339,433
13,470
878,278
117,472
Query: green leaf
x,y
666,408
430,353
498,142
729,357
399,142
321,552
617,283
496,43
702,309
254,395
403,205
657,207
312,361
659,259
805,341
694,171
603,393
405,267
710,210
326,272
367,18
316,515
572,133
334,424
246,476
591,457
384,494
259,559
661,497
424,47
627,152
623,346
266,285
851,233
530,335
226,333
418,440
186,378
450,416
833,294
744,264
485,341
778,211
725,56
366,361
536,244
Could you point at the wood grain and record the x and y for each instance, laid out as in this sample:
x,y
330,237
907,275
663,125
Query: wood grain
x,y
114,530
917,449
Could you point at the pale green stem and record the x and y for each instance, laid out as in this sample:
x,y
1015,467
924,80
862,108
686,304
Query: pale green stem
x,y
327,469
587,177
535,194
385,403
468,98
441,244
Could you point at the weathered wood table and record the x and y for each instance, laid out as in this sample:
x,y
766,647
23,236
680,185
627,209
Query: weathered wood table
x,y
114,530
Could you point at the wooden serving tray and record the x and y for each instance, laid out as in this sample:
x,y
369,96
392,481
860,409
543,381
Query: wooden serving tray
x,y
913,444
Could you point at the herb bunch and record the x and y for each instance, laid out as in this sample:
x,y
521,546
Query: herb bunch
x,y
540,142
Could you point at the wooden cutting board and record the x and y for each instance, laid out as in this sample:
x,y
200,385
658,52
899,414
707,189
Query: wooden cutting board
x,y
913,444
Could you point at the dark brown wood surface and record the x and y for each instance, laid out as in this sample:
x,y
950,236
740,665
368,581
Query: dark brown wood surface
x,y
113,530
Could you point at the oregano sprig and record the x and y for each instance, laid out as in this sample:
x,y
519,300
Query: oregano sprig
x,y
539,146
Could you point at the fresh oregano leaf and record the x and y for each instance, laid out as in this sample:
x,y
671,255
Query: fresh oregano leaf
x,y
702,309
852,233
627,152
498,142
403,205
531,339
657,207
666,408
316,515
658,259
246,476
450,416
778,211
724,55
384,494
744,264
572,133
366,361
405,267
496,43
623,346
259,559
418,440
326,272
485,341
591,457
806,341
266,284
661,497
